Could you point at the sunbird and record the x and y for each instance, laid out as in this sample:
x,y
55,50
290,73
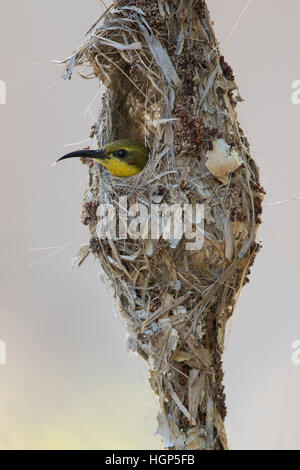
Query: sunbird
x,y
122,158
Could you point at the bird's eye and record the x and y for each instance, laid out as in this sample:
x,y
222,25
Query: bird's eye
x,y
121,153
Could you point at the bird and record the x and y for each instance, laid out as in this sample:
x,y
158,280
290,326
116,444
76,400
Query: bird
x,y
122,158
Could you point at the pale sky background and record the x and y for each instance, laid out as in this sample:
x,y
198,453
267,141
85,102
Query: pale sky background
x,y
69,382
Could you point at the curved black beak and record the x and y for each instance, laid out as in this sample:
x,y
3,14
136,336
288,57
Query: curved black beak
x,y
95,154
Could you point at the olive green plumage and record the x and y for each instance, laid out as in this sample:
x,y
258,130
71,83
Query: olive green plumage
x,y
122,158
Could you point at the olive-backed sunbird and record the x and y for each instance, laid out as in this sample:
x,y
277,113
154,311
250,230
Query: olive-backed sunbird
x,y
122,158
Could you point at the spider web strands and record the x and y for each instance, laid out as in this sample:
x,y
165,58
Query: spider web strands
x,y
58,249
237,23
285,201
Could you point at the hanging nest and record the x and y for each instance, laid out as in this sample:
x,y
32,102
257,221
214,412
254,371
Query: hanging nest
x,y
163,82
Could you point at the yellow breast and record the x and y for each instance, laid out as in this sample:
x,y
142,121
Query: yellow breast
x,y
119,168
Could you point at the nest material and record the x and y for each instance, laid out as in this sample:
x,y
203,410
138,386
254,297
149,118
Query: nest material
x,y
165,83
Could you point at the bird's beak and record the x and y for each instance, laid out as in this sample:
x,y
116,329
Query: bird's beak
x,y
94,154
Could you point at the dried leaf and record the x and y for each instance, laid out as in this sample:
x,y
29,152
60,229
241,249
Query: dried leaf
x,y
195,388
182,356
195,440
161,57
117,45
228,238
182,407
164,431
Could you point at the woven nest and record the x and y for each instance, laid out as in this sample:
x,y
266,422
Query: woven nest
x,y
163,82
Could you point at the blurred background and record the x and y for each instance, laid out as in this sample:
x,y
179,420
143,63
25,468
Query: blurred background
x,y
68,382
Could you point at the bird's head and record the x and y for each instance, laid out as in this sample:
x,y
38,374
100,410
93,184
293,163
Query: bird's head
x,y
122,158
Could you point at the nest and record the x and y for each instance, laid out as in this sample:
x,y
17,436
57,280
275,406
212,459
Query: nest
x,y
164,82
